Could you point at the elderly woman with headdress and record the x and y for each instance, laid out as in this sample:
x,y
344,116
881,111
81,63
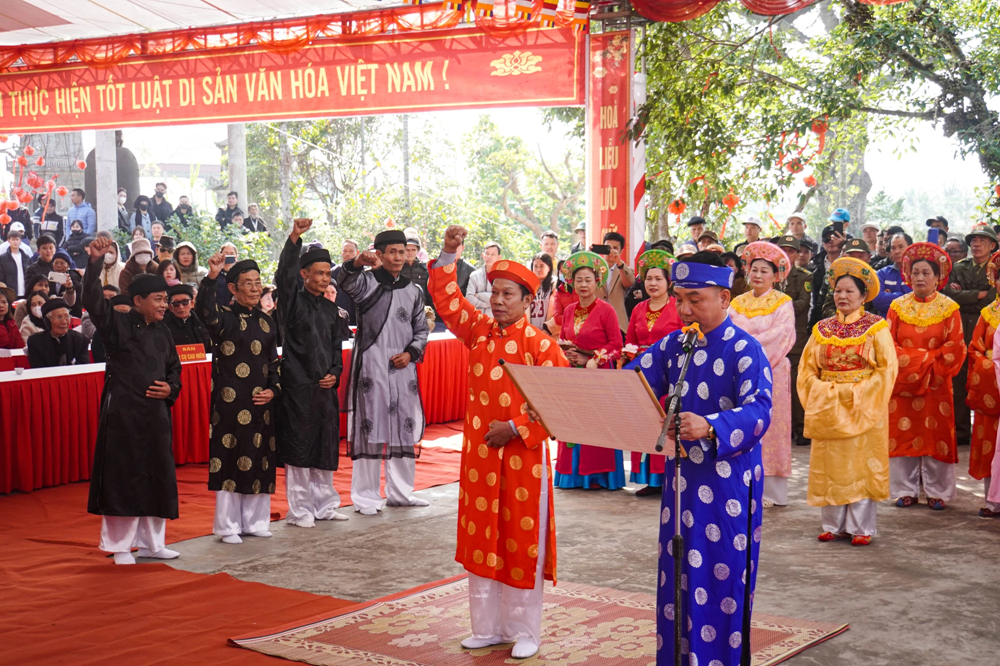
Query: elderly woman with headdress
x,y
982,395
651,321
768,315
845,382
927,330
590,337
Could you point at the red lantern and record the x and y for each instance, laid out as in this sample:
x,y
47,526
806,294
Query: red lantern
x,y
25,197
5,219
22,160
810,181
731,201
3,138
40,161
997,190
29,151
81,165
62,190
677,207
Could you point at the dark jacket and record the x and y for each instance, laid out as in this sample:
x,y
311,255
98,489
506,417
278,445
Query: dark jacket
x,y
162,210
45,351
184,213
132,268
966,281
76,246
224,216
188,331
17,215
344,301
465,270
40,267
250,224
9,270
418,274
798,287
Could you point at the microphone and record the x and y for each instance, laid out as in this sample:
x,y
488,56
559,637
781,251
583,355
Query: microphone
x,y
692,334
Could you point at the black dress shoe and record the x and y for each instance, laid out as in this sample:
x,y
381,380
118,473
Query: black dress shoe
x,y
963,441
802,441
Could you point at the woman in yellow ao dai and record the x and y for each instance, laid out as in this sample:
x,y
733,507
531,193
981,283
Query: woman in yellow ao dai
x,y
769,316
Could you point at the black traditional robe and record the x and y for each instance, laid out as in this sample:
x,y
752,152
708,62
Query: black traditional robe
x,y
309,416
241,443
45,351
134,471
188,331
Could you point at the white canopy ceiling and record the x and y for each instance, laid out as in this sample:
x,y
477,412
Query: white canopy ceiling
x,y
38,21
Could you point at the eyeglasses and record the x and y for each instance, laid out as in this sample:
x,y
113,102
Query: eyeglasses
x,y
181,303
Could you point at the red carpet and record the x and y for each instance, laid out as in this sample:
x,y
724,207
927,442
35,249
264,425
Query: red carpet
x,y
64,602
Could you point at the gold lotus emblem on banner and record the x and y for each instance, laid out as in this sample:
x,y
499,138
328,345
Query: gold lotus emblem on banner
x,y
516,63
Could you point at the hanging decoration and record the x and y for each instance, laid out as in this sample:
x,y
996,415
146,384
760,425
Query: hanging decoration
x,y
810,181
677,207
730,201
29,183
675,11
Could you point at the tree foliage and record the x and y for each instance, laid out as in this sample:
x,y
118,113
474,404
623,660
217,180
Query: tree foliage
x,y
733,97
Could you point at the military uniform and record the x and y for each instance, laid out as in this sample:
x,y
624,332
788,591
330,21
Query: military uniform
x,y
798,286
967,280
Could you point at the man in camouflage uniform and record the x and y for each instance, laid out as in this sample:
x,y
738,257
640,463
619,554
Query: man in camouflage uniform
x,y
970,288
798,286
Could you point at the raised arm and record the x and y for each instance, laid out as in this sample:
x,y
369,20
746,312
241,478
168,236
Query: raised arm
x,y
459,315
102,314
220,321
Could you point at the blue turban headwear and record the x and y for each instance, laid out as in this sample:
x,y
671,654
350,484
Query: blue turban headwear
x,y
700,276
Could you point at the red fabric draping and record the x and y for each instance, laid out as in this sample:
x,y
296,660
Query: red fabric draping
x,y
8,363
53,421
286,35
191,413
675,11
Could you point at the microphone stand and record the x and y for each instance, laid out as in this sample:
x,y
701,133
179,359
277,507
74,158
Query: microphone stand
x,y
677,542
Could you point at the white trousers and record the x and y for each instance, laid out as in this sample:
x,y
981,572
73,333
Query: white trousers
x,y
906,475
992,506
311,495
776,489
119,534
511,612
400,475
236,513
856,518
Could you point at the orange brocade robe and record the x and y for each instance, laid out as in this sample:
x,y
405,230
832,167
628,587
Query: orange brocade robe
x,y
499,489
981,392
931,350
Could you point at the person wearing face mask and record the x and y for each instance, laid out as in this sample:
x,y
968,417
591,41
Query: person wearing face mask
x,y
143,216
140,262
58,344
113,266
37,283
123,222
159,206
32,322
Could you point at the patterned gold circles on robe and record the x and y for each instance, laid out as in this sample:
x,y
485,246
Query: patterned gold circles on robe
x,y
255,346
506,513
528,358
227,348
256,390
523,431
521,494
264,464
544,344
228,394
243,324
511,546
496,373
229,486
504,400
267,416
496,506
515,462
527,523
256,486
473,475
477,556
214,465
476,422
491,479
258,438
243,371
530,332
533,550
229,441
491,346
516,574
481,504
510,347
536,471
244,463
451,288
464,317
491,560
264,326
453,306
243,417
215,418
270,488
450,268
471,528
484,398
483,450
477,369
271,443
265,368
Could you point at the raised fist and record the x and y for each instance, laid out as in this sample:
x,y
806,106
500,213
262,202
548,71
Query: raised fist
x,y
366,258
99,247
454,238
215,264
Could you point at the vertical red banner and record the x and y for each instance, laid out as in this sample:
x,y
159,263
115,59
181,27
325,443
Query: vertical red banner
x,y
609,204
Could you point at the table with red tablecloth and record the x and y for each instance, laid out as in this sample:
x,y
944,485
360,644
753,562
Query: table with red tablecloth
x,y
49,416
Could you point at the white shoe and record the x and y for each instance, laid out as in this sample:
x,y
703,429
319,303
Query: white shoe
x,y
524,648
335,515
300,523
368,511
473,643
162,554
413,501
124,558
263,534
232,538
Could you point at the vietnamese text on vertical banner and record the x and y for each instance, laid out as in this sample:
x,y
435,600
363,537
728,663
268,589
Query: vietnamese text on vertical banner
x,y
609,205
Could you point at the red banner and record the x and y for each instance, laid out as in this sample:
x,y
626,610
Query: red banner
x,y
610,197
454,69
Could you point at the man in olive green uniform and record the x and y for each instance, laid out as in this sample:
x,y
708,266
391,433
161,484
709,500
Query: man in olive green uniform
x,y
798,286
970,288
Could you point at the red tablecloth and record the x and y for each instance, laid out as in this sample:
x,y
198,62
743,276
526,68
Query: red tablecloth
x,y
8,363
48,425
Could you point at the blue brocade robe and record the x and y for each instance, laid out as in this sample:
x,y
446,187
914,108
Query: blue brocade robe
x,y
729,383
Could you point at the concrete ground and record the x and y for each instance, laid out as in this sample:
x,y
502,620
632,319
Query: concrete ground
x,y
926,592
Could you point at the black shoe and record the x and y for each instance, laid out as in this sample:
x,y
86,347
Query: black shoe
x,y
802,441
963,441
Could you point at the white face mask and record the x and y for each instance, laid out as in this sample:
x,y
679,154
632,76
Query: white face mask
x,y
122,199
142,258
110,259
37,311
